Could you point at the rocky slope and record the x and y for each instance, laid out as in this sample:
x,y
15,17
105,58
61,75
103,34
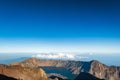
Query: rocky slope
x,y
22,73
76,67
102,71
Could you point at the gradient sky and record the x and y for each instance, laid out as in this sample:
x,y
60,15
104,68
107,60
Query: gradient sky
x,y
60,25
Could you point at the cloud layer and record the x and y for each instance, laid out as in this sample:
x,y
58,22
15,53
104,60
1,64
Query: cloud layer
x,y
59,56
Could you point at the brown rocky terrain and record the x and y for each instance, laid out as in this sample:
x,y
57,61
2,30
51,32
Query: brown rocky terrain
x,y
22,73
102,71
76,67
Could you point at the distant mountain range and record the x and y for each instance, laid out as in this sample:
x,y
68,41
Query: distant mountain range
x,y
21,71
93,67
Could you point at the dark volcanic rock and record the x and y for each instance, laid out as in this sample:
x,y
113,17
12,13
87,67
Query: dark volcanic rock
x,y
3,77
56,77
86,76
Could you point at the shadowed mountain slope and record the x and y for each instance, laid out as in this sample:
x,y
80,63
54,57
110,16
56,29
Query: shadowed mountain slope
x,y
3,77
86,76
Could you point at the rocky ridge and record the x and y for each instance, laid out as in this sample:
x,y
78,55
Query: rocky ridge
x,y
22,73
94,67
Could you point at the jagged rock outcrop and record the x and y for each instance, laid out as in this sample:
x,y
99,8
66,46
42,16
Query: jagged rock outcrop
x,y
57,76
76,67
22,73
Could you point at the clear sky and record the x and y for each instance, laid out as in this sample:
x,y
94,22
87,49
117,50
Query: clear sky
x,y
60,25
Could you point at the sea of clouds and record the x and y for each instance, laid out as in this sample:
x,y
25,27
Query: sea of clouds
x,y
59,56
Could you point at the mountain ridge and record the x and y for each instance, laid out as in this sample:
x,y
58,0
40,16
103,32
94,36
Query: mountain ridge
x,y
93,67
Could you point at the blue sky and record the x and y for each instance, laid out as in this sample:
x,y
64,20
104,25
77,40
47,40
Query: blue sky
x,y
60,25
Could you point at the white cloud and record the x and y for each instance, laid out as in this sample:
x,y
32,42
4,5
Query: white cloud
x,y
57,56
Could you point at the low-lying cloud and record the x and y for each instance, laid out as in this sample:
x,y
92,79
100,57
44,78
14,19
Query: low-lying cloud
x,y
59,56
